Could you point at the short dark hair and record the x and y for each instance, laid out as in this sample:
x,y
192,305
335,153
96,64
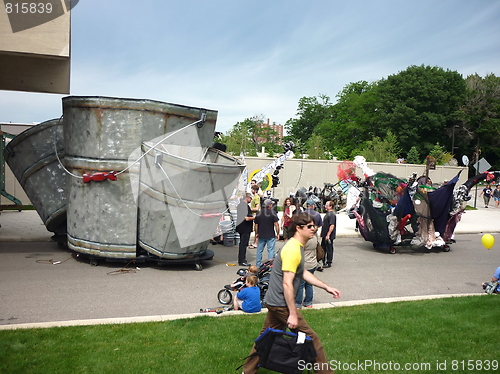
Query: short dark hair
x,y
255,188
299,219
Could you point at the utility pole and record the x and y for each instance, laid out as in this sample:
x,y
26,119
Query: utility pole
x,y
477,170
453,140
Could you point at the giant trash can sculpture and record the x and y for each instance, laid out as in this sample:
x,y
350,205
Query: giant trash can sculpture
x,y
33,159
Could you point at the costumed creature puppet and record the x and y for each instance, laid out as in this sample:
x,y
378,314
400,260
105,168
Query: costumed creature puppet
x,y
396,212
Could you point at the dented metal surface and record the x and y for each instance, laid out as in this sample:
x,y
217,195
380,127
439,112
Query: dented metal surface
x,y
181,200
104,134
32,158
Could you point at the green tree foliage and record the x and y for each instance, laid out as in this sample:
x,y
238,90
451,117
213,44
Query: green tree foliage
x,y
413,156
380,150
239,139
249,136
310,112
419,105
352,120
315,148
480,118
438,152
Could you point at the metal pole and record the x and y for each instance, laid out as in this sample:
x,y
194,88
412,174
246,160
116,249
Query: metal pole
x,y
477,170
453,141
3,192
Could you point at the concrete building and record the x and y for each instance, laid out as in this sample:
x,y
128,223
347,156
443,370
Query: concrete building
x,y
12,186
35,46
278,138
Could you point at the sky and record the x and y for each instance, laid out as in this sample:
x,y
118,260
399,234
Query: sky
x,y
254,57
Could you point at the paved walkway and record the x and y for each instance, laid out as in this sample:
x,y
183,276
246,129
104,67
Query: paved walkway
x,y
26,226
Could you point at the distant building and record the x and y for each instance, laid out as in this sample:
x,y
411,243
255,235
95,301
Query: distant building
x,y
278,138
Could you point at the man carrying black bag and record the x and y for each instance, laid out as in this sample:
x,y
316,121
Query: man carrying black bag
x,y
288,271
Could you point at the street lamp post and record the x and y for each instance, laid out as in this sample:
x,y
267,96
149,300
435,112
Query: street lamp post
x,y
453,140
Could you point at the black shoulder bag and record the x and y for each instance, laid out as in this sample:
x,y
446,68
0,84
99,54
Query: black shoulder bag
x,y
284,351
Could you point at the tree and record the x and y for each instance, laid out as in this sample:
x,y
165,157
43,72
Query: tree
x,y
239,139
419,105
315,148
479,118
413,156
352,120
378,150
437,152
248,136
310,112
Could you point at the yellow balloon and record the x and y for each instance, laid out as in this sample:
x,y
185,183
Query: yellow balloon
x,y
488,240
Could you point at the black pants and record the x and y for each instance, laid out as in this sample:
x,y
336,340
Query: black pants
x,y
328,247
242,251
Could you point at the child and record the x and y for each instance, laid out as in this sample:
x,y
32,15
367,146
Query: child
x,y
248,299
252,270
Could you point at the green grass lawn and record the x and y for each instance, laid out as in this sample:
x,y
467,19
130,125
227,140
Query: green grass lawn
x,y
431,332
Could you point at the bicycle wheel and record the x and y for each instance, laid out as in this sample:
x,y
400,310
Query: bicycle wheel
x,y
225,297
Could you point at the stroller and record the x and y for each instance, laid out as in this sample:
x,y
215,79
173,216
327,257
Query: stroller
x,y
226,297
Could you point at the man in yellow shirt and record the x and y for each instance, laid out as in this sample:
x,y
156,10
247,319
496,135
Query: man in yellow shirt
x,y
288,271
255,207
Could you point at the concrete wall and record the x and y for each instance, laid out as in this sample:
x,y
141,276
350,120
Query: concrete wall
x,y
295,174
12,186
35,57
304,173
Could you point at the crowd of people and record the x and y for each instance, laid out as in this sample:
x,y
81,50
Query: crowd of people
x,y
259,215
292,279
487,193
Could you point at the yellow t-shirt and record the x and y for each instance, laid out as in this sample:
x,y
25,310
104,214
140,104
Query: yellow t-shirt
x,y
255,201
291,256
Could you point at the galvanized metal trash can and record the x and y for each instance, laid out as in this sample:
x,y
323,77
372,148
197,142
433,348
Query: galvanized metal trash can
x,y
182,199
32,157
104,134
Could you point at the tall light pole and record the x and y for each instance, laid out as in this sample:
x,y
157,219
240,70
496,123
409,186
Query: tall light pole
x,y
453,140
477,169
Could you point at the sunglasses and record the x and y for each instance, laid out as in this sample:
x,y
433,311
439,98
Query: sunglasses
x,y
310,226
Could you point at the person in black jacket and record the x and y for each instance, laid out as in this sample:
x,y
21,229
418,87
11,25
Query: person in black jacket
x,y
244,228
328,233
267,227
